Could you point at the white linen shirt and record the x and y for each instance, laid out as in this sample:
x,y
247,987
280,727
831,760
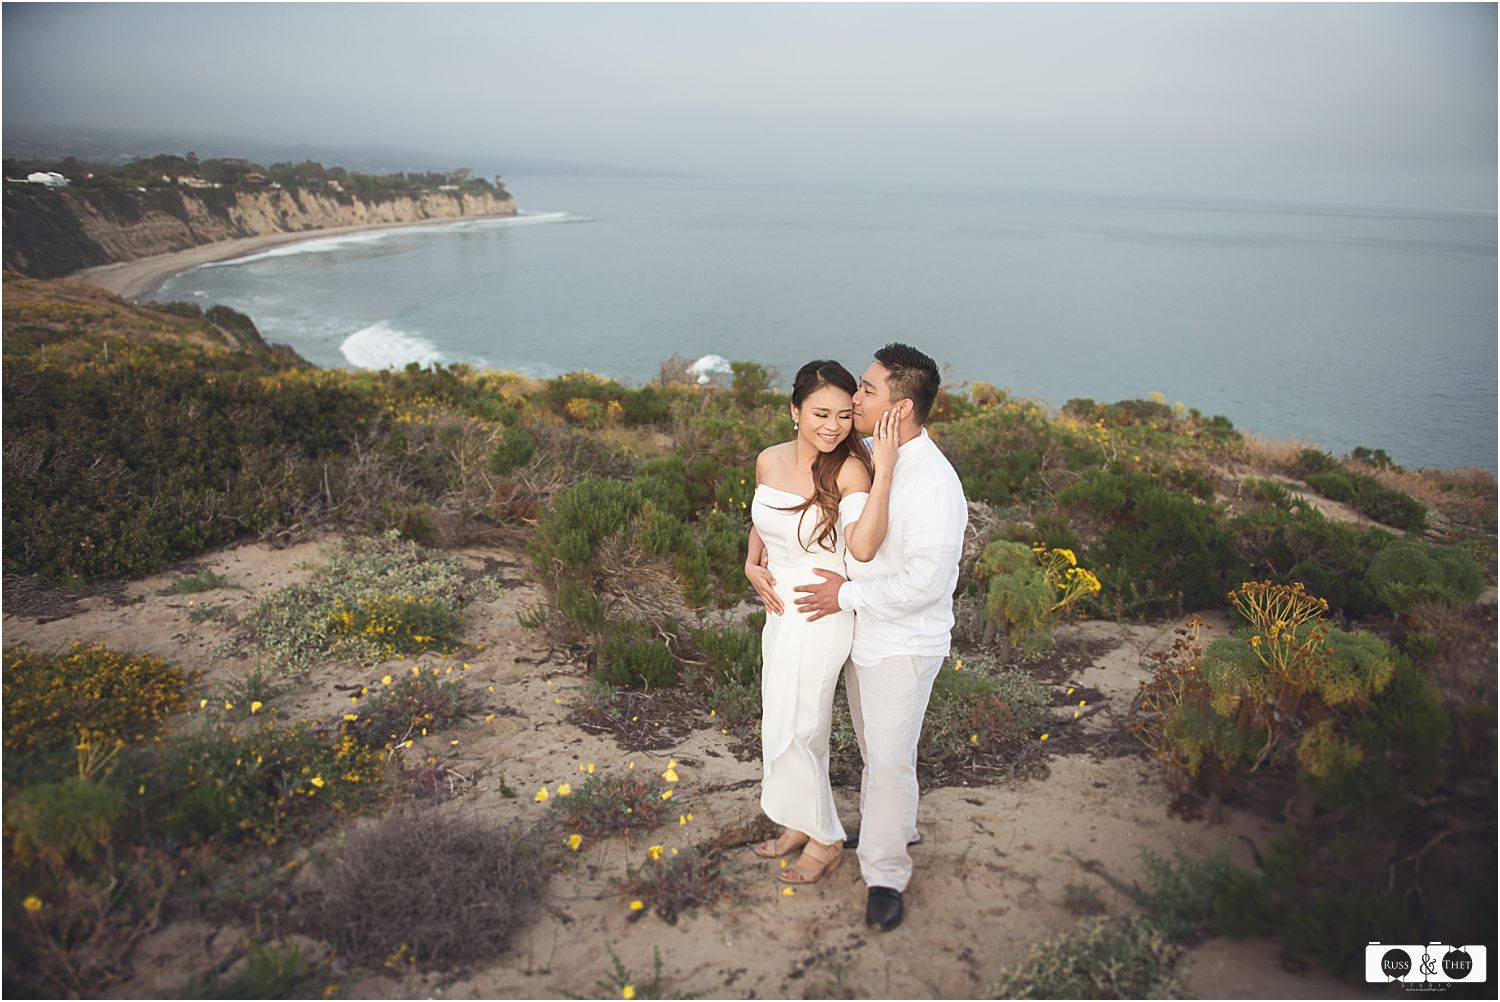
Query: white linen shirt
x,y
903,596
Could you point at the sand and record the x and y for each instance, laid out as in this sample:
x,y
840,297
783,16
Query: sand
x,y
135,279
992,873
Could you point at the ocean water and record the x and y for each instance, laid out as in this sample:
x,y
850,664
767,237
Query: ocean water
x,y
1342,326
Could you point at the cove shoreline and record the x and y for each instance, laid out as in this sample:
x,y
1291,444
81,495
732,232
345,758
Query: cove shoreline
x,y
135,279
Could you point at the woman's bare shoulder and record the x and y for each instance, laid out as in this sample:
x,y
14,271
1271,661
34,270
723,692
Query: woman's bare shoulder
x,y
853,477
773,457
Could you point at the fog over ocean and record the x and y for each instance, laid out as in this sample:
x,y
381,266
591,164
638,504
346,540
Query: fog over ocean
x,y
1344,326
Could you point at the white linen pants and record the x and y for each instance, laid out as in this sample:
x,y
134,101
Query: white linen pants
x,y
887,701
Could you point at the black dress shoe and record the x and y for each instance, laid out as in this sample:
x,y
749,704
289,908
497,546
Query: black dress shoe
x,y
883,913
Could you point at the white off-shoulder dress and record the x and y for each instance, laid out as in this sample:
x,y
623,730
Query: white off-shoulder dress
x,y
801,662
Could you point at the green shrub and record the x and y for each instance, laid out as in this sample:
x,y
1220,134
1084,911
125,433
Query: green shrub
x,y
977,703
1399,743
1017,598
514,449
1099,958
1312,461
64,822
269,972
1387,505
261,784
1189,897
1376,458
1158,550
1299,543
1270,492
122,468
410,704
750,385
581,517
1341,920
1405,572
631,658
259,686
372,599
199,581
577,601
51,699
998,452
1333,484
733,653
623,803
673,884
378,627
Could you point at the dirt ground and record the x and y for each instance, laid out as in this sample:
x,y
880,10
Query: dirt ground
x,y
992,872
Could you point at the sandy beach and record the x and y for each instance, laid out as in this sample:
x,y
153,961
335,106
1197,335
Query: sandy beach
x,y
134,279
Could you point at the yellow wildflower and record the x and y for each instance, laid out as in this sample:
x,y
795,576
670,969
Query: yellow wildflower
x,y
666,795
228,705
1045,736
255,705
973,739
627,992
317,781
591,768
637,905
670,775
386,680
655,851
32,903
564,789
541,795
574,841
787,892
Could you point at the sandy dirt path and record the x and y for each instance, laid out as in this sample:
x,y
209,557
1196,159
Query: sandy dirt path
x,y
992,873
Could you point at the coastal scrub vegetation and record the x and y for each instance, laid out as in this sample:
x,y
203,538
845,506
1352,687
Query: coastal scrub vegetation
x,y
1356,685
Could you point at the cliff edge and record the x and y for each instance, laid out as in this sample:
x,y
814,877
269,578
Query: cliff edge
x,y
50,232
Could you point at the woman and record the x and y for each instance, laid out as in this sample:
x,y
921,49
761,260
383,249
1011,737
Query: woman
x,y
817,497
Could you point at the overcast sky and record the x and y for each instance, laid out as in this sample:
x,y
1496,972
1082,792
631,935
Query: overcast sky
x,y
1369,103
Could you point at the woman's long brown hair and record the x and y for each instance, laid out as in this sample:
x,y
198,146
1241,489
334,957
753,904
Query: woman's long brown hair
x,y
812,377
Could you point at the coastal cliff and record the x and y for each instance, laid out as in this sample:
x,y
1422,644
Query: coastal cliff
x,y
52,232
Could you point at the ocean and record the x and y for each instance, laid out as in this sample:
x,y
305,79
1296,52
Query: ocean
x,y
1343,326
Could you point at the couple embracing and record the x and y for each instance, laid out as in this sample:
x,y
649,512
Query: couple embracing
x,y
858,527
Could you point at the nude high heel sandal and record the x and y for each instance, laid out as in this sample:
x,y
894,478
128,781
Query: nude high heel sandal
x,y
826,861
773,850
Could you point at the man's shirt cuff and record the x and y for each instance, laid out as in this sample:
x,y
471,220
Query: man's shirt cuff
x,y
849,596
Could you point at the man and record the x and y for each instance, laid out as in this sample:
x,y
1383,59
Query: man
x,y
903,602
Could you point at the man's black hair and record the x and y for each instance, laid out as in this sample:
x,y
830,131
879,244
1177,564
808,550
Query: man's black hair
x,y
910,375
